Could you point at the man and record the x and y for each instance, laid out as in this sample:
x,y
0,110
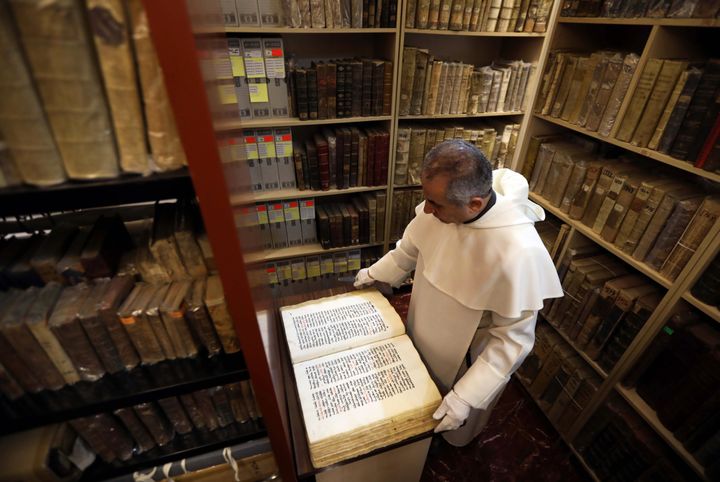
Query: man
x,y
481,275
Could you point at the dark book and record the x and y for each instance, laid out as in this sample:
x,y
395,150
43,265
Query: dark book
x,y
105,436
347,154
143,440
175,414
387,87
356,81
678,113
313,165
118,289
158,426
382,154
392,15
237,402
708,133
51,250
312,93
363,219
331,77
323,226
340,90
20,273
107,241
96,330
323,160
301,93
340,158
701,104
707,288
365,12
223,409
336,225
163,244
207,408
192,409
367,88
347,225
370,171
421,62
173,310
701,425
199,318
378,92
354,156
322,87
298,154
385,13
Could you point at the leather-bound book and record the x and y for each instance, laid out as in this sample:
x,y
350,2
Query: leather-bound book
x,y
199,319
215,303
633,211
367,88
323,161
143,440
587,388
336,225
602,187
313,165
96,330
707,288
223,409
618,94
207,409
354,156
151,312
666,228
341,89
52,248
187,225
407,80
676,117
421,62
557,382
16,268
118,289
323,227
639,99
172,311
593,86
356,82
132,317
347,154
66,326
346,223
363,220
301,93
158,426
362,158
312,93
175,414
331,90
19,370
382,156
620,208
192,409
563,88
107,241
237,402
90,429
249,397
322,80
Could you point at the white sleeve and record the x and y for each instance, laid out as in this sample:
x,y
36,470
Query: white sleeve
x,y
396,265
511,339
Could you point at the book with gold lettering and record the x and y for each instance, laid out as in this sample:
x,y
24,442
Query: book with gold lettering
x,y
360,381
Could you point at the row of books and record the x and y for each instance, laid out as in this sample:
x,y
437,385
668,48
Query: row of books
x,y
325,266
358,87
360,220
618,445
496,139
672,110
652,217
678,376
54,336
707,287
557,378
310,13
605,305
479,15
430,86
403,211
553,234
639,8
130,431
93,111
168,247
342,157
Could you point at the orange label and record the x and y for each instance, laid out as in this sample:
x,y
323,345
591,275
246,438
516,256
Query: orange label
x,y
128,320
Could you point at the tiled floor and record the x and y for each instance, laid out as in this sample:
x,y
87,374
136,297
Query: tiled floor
x,y
518,444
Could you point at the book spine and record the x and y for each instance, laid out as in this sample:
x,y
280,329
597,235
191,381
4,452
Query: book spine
x,y
639,100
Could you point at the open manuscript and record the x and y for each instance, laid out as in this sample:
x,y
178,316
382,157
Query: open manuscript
x,y
361,383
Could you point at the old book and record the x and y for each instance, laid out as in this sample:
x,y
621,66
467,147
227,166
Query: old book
x,y
672,231
605,180
141,436
192,409
553,82
66,326
119,77
633,211
215,302
416,155
594,85
167,150
163,244
152,316
582,197
564,86
186,226
607,86
676,117
175,414
345,430
618,94
433,91
199,319
407,79
116,292
312,94
575,85
619,208
70,87
575,183
580,87
662,211
132,316
172,311
96,330
639,100
50,250
667,78
25,127
16,368
421,64
558,176
456,15
106,242
158,426
105,436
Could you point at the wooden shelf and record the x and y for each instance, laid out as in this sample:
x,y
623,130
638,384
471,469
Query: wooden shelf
x,y
580,352
297,251
234,124
313,31
284,194
650,416
588,232
669,22
459,116
658,156
404,186
465,33
711,311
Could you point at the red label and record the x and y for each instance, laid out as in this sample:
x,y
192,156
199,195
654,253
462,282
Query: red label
x,y
232,141
286,137
267,139
309,203
293,204
261,208
245,210
277,206
250,140
276,52
271,270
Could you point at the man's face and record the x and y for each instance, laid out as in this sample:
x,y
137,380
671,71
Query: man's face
x,y
438,205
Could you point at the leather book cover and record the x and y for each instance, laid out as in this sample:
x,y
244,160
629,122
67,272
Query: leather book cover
x,y
673,229
367,88
163,245
554,80
175,414
323,160
151,314
207,409
341,90
604,182
301,94
363,219
142,336
633,211
706,114
615,67
593,87
249,396
575,183
313,165
362,158
354,223
356,82
433,14
574,90
323,227
223,409
160,429
332,143
19,272
444,16
312,93
187,225
172,312
143,440
104,436
322,88
411,13
407,80
331,80
421,63
639,99
118,289
346,221
66,326
95,328
237,402
581,87
457,10
620,208
564,86
199,318
347,154
51,250
630,325
676,117
336,225
224,326
192,409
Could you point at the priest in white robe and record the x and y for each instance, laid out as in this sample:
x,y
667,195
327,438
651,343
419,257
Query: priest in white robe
x,y
481,275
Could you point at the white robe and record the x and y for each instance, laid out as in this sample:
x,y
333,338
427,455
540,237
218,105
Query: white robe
x,y
480,283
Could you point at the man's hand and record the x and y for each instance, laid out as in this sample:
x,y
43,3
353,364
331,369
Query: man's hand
x,y
453,411
363,278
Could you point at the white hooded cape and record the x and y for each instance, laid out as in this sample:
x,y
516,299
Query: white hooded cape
x,y
486,278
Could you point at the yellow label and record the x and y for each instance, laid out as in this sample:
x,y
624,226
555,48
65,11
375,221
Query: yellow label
x,y
313,269
258,93
353,263
238,66
227,94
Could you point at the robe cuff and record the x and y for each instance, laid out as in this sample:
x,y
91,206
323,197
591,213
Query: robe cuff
x,y
387,271
480,384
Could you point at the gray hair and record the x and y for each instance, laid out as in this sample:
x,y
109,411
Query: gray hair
x,y
468,170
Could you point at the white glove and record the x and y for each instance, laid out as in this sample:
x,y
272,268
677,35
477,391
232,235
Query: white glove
x,y
453,411
363,278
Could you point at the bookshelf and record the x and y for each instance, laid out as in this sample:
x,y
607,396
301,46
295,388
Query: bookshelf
x,y
417,31
299,251
579,351
235,124
649,38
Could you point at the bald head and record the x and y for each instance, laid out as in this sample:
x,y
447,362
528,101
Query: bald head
x,y
468,171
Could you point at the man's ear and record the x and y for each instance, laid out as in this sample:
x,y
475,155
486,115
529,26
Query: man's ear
x,y
477,203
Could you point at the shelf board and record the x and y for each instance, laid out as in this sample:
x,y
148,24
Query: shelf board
x,y
650,416
403,186
297,251
588,232
284,194
313,31
711,311
670,22
142,384
580,352
460,116
465,33
658,156
126,189
234,124
182,446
